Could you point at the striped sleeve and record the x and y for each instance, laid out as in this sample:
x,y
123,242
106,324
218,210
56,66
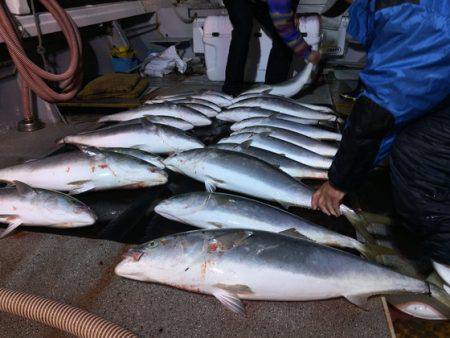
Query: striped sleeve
x,y
283,18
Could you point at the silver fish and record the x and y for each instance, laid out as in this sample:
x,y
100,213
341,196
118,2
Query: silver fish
x,y
86,170
273,121
290,167
242,113
240,173
209,104
224,211
208,111
285,107
142,155
161,109
214,98
281,147
23,205
300,140
308,105
146,136
164,120
234,264
287,88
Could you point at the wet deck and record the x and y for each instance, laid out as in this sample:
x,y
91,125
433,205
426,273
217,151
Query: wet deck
x,y
76,267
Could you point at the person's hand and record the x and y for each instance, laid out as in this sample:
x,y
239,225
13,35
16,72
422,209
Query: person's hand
x,y
314,57
328,199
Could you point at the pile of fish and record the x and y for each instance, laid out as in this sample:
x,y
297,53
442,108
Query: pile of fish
x,y
244,246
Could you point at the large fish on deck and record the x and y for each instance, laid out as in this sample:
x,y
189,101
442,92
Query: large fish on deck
x,y
224,211
151,137
23,205
161,109
285,107
289,166
86,170
234,264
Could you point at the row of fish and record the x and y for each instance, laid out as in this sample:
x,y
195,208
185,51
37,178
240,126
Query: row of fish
x,y
248,245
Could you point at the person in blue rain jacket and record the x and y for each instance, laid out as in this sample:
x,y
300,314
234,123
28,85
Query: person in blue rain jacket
x,y
403,111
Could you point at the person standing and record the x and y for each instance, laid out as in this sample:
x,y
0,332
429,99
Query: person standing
x,y
278,19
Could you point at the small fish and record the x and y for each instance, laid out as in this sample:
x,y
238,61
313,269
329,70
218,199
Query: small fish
x,y
290,167
24,205
208,111
142,155
151,137
287,88
161,109
285,107
281,147
273,121
308,105
173,122
243,113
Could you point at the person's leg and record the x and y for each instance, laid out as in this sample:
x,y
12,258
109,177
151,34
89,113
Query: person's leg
x,y
420,171
242,19
280,58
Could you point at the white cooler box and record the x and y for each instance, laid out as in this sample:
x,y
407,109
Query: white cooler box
x,y
217,38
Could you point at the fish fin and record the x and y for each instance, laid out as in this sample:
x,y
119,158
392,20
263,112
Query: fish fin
x,y
230,240
266,91
91,151
371,251
246,144
358,222
376,218
358,300
230,300
211,184
293,233
284,204
264,134
216,225
442,296
24,189
81,186
14,222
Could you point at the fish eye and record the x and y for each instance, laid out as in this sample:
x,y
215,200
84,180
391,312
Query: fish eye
x,y
153,244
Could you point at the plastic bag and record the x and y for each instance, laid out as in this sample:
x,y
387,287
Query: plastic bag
x,y
160,64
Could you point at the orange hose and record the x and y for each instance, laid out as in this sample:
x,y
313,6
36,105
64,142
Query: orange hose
x,y
32,77
60,316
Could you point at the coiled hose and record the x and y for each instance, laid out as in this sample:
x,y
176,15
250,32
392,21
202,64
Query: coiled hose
x,y
61,316
33,78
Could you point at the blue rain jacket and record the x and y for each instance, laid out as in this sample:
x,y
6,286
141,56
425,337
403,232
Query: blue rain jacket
x,y
408,62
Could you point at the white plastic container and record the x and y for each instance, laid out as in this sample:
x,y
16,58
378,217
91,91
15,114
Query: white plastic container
x,y
217,38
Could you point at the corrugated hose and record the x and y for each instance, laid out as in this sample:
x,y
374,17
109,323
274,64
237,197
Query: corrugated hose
x,y
32,78
60,316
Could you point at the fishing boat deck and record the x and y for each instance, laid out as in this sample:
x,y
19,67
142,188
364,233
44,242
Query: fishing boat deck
x,y
76,267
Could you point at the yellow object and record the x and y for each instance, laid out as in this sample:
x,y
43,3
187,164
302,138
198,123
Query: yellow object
x,y
124,86
123,52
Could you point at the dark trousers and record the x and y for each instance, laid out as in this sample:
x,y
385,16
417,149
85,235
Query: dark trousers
x,y
242,13
420,173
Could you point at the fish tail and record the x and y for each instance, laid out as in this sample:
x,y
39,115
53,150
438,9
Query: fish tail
x,y
358,222
371,251
376,218
442,297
